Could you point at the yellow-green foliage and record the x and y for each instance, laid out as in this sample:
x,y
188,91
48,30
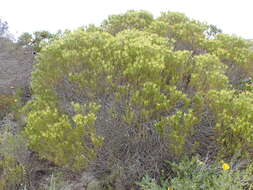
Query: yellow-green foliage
x,y
234,119
233,49
11,173
54,137
13,152
183,30
129,20
144,71
180,125
133,66
208,73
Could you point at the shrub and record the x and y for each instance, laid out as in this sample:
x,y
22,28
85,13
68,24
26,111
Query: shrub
x,y
135,82
11,174
233,120
35,40
14,158
154,79
61,139
129,20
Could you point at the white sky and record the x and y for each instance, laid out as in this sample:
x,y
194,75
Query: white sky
x,y
232,16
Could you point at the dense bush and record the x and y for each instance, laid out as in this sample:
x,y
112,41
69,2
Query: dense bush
x,y
130,20
160,85
61,139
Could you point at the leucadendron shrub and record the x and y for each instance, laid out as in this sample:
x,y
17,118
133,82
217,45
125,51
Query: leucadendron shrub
x,y
155,77
234,119
139,70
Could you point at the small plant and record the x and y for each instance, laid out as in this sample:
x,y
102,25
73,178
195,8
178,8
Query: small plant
x,y
5,104
12,157
197,175
52,185
11,173
149,183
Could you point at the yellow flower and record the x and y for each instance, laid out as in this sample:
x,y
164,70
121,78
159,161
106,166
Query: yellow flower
x,y
12,87
170,188
225,166
15,100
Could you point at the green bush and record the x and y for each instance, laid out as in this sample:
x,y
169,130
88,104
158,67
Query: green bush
x,y
35,40
11,173
61,139
134,80
13,158
141,71
130,20
159,83
148,183
233,120
197,175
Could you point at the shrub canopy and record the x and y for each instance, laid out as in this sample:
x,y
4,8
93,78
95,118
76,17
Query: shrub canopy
x,y
168,76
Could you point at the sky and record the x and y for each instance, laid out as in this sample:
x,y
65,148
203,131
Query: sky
x,y
232,16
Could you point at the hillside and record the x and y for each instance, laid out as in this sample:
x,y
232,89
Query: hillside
x,y
16,66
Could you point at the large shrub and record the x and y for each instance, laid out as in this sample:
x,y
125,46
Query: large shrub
x,y
158,83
